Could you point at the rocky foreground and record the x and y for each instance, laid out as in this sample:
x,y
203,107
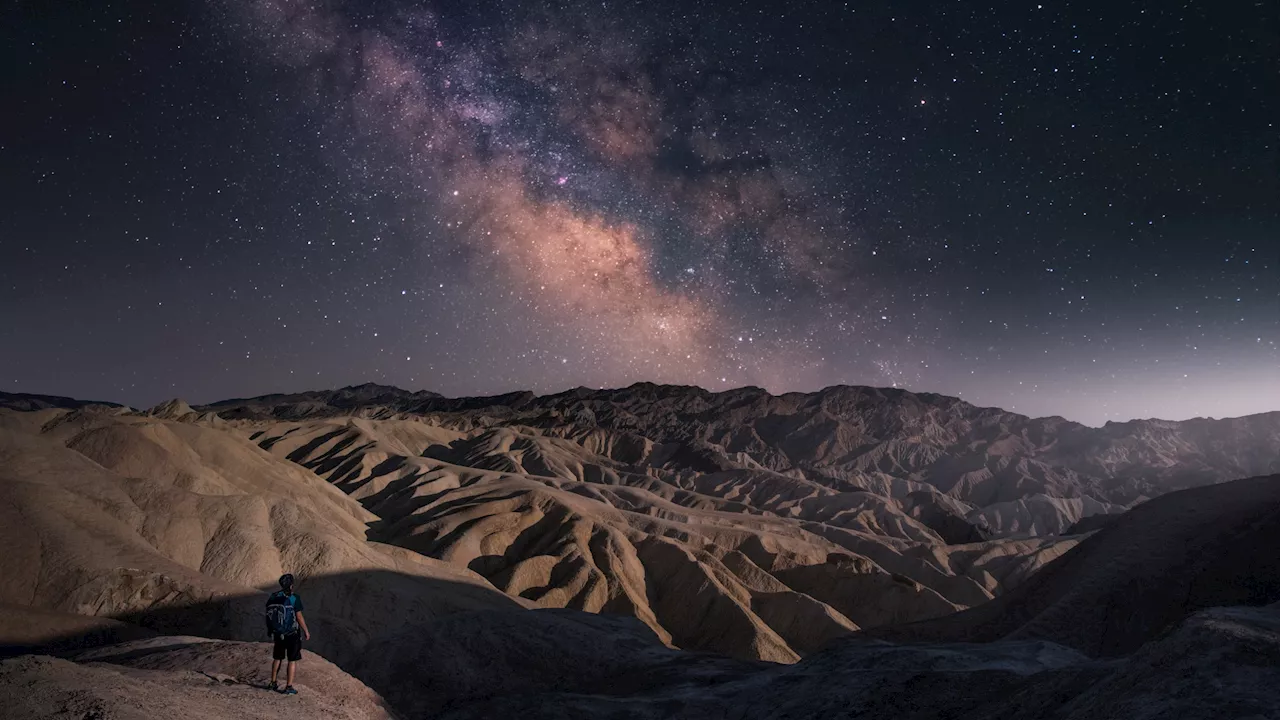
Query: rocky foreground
x,y
561,556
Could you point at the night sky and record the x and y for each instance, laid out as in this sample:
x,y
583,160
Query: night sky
x,y
1057,208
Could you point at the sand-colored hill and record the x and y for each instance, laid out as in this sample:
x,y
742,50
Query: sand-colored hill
x,y
167,508
176,526
756,526
747,562
1147,591
852,437
1217,664
446,557
1041,514
1141,574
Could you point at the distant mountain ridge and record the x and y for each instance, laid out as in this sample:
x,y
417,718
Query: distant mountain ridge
x,y
1011,468
848,436
30,401
319,403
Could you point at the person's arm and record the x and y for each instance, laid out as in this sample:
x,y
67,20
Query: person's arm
x,y
302,623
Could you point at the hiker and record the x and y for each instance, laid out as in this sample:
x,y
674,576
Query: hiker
x,y
284,621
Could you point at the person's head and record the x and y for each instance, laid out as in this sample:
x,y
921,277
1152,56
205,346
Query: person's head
x,y
286,582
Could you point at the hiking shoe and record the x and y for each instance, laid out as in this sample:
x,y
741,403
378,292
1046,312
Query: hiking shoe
x,y
274,686
288,690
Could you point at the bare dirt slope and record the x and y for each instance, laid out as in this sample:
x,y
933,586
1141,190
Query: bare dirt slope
x,y
424,543
1219,664
747,562
1140,575
178,677
181,527
852,437
757,526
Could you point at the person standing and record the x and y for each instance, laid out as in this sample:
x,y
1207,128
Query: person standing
x,y
288,628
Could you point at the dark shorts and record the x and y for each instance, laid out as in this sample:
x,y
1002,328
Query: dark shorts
x,y
289,646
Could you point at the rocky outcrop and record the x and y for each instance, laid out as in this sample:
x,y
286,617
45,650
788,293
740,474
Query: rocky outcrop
x,y
179,677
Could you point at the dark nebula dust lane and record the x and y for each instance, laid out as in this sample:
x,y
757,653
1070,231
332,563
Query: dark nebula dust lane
x,y
1057,209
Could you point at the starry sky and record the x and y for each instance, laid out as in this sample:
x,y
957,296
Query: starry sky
x,y
1059,208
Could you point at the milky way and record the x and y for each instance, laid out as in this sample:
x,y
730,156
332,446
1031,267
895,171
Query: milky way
x,y
1058,210
567,228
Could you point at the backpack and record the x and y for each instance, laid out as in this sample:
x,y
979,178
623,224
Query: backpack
x,y
282,618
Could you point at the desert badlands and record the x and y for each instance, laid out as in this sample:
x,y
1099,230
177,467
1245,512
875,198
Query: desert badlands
x,y
647,552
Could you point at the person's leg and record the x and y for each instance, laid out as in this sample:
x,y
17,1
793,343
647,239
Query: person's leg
x,y
295,655
278,654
